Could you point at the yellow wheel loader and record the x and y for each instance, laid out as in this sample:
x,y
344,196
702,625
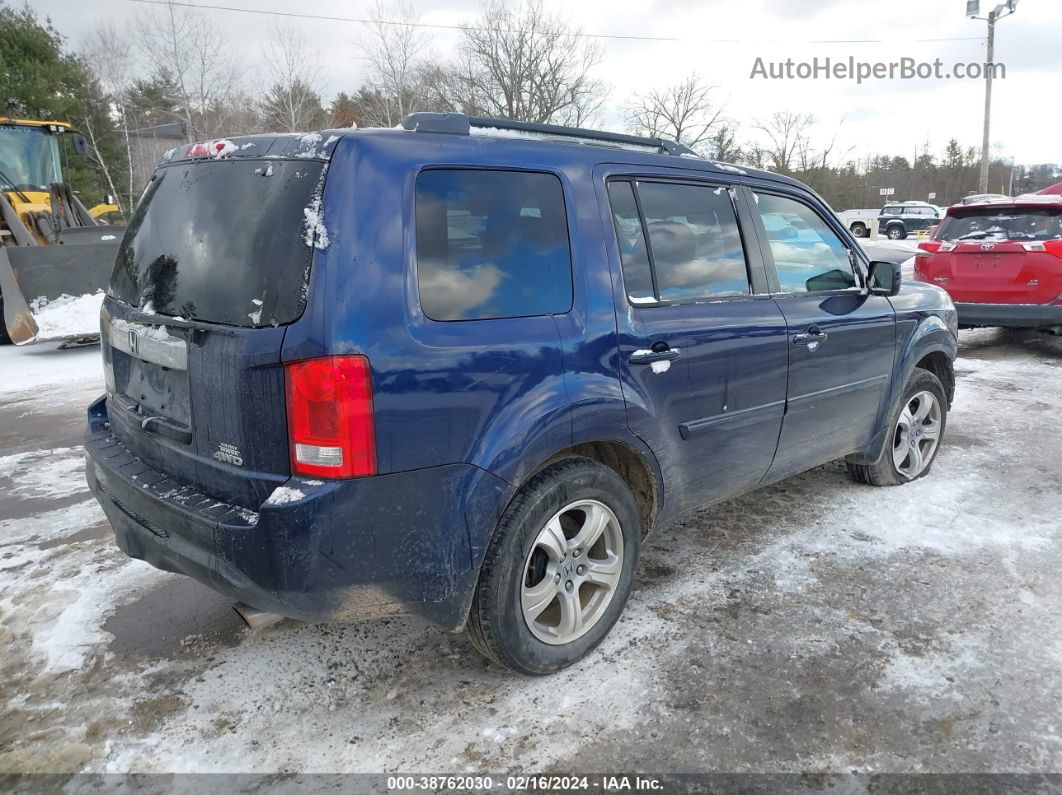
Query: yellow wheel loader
x,y
56,256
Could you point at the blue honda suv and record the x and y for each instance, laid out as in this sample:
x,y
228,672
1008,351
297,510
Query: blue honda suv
x,y
462,368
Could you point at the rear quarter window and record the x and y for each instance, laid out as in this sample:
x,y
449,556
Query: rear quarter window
x,y
491,244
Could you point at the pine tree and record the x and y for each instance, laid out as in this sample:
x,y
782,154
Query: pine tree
x,y
41,79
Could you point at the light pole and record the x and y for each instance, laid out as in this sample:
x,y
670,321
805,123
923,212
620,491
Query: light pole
x,y
973,8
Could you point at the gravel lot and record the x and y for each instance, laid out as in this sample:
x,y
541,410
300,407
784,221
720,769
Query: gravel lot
x,y
816,625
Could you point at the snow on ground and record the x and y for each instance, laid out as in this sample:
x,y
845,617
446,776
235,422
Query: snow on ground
x,y
25,370
813,625
67,315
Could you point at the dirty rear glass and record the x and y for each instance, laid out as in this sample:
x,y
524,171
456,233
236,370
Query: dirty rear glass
x,y
1003,223
221,241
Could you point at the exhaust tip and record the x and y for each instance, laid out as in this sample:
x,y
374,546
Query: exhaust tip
x,y
254,618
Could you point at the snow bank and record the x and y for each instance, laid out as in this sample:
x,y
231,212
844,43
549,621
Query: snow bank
x,y
67,315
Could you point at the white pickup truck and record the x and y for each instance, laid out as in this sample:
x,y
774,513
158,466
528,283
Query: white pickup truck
x,y
858,221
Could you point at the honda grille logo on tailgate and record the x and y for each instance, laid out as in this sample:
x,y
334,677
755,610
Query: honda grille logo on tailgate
x,y
229,453
134,343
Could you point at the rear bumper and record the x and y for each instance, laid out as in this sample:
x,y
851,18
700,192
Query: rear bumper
x,y
1013,315
345,550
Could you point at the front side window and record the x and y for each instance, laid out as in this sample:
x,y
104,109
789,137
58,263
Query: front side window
x,y
491,244
808,256
694,249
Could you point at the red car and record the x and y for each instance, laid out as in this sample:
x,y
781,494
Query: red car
x,y
1000,261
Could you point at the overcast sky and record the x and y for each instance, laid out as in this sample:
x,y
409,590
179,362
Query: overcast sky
x,y
721,39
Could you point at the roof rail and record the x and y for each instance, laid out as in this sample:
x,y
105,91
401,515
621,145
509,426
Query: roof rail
x,y
460,124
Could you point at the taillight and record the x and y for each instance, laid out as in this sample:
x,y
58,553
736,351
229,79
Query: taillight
x,y
330,417
1054,247
927,248
1048,247
946,247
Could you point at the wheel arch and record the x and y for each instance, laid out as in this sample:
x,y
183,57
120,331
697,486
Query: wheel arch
x,y
938,363
932,346
631,465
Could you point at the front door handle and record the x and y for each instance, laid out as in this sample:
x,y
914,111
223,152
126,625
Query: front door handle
x,y
812,338
650,356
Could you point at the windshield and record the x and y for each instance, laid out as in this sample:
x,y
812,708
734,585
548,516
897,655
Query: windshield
x,y
29,158
224,241
1004,223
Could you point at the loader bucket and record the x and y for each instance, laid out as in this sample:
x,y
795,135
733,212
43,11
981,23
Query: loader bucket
x,y
55,292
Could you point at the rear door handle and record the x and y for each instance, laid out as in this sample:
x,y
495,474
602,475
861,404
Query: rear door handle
x,y
648,357
812,338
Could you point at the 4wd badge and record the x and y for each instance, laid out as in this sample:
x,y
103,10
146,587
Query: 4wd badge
x,y
229,453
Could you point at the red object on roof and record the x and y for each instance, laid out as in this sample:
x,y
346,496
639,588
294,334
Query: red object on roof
x,y
1054,190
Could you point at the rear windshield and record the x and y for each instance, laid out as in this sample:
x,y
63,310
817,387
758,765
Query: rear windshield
x,y
1003,223
222,241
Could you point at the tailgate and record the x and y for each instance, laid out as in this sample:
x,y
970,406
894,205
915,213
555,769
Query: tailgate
x,y
1004,273
214,266
205,406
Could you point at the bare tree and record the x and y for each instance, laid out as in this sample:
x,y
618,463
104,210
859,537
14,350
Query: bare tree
x,y
92,127
242,114
106,54
810,158
396,51
787,133
194,52
292,103
522,64
683,112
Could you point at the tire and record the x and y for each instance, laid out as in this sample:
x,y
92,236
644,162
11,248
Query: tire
x,y
890,469
859,230
525,556
5,339
896,233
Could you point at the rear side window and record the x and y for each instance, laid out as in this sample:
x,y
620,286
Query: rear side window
x,y
634,254
1003,223
491,244
694,249
221,241
808,256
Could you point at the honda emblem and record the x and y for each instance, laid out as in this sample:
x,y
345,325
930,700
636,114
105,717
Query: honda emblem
x,y
134,343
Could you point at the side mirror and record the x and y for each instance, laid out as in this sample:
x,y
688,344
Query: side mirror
x,y
883,278
80,146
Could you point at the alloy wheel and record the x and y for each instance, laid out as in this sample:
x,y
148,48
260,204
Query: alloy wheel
x,y
572,572
917,435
